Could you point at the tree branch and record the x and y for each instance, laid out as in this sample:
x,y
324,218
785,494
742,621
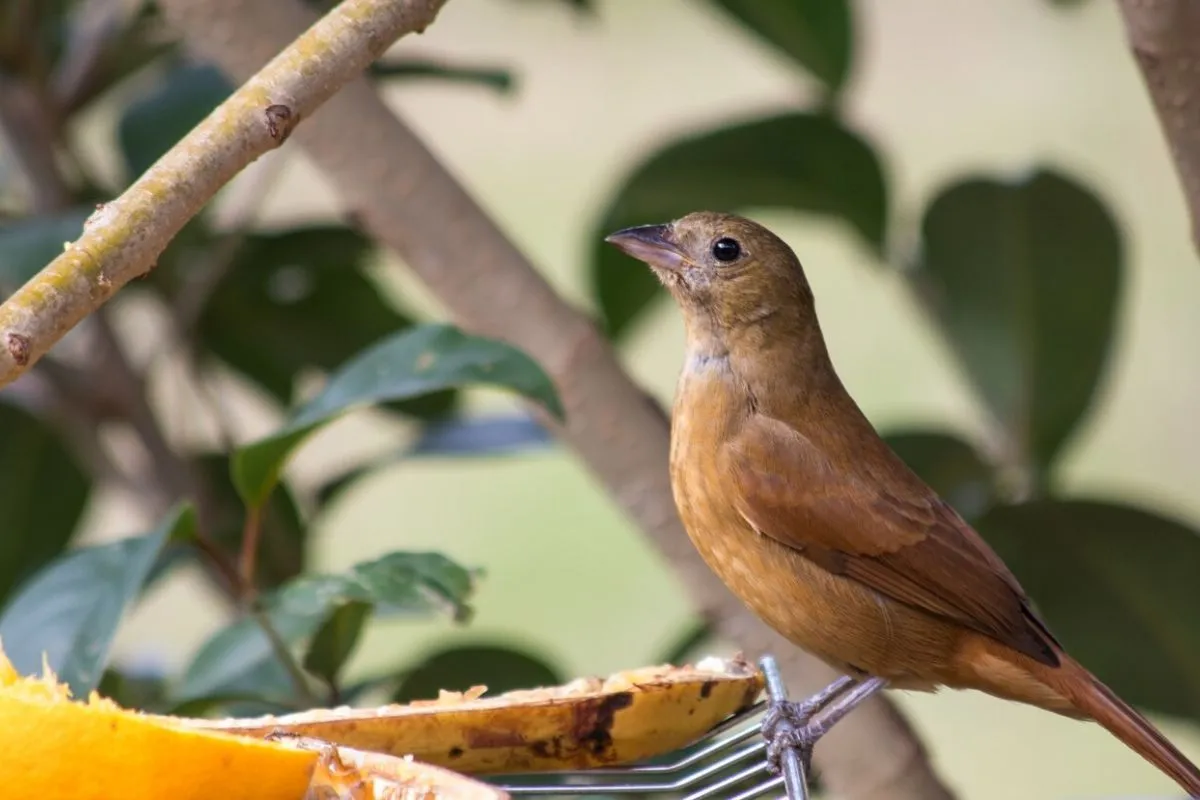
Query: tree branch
x,y
1165,38
124,238
396,189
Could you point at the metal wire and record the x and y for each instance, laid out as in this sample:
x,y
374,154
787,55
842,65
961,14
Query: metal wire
x,y
730,755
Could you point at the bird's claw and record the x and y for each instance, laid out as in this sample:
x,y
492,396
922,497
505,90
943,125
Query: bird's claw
x,y
801,725
789,725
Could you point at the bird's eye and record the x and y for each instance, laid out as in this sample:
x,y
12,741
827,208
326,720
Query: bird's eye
x,y
726,249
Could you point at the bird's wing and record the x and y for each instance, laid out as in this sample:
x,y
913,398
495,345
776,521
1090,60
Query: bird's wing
x,y
901,540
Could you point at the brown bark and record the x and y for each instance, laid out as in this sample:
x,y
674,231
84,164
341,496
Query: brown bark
x,y
396,189
1165,38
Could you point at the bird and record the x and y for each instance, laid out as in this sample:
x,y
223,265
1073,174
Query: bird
x,y
792,498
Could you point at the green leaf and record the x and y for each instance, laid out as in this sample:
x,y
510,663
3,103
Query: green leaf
x,y
71,609
817,34
239,660
500,80
135,690
28,244
300,299
950,466
154,122
1118,585
1025,276
805,162
499,667
422,359
282,533
416,582
336,639
42,497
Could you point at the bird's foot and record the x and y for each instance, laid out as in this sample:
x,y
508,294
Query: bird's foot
x,y
784,734
800,725
797,714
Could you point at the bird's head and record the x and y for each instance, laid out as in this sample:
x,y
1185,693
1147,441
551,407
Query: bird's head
x,y
727,273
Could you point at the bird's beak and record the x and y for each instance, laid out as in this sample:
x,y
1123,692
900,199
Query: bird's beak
x,y
653,244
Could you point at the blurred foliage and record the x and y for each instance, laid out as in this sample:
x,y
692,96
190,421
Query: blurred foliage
x,y
818,34
33,457
499,667
1022,274
277,307
1024,277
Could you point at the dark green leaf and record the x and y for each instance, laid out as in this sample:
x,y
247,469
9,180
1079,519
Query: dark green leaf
x,y
501,80
422,359
805,162
1119,586
420,582
282,534
27,245
71,609
42,496
499,667
153,123
300,299
335,640
950,466
817,34
239,660
1025,277
232,705
135,690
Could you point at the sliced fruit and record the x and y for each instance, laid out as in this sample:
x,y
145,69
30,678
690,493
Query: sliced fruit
x,y
589,722
56,747
344,773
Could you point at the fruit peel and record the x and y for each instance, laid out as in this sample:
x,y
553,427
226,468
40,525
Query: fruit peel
x,y
590,722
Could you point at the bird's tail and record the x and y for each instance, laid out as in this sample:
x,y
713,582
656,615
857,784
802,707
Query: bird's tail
x,y
1093,699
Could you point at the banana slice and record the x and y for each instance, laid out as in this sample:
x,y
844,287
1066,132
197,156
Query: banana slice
x,y
589,722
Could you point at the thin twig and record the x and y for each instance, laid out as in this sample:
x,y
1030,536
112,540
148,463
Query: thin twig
x,y
397,190
251,530
283,653
123,239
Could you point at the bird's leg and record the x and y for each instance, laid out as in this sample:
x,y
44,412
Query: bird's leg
x,y
801,725
797,714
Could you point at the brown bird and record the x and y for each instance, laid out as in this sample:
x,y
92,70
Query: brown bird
x,y
794,500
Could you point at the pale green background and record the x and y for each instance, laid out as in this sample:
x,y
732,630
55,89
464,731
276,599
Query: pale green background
x,y
942,88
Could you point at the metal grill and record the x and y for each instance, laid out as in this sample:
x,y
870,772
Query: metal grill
x,y
729,763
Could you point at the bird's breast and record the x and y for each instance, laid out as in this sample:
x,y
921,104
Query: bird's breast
x,y
840,621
